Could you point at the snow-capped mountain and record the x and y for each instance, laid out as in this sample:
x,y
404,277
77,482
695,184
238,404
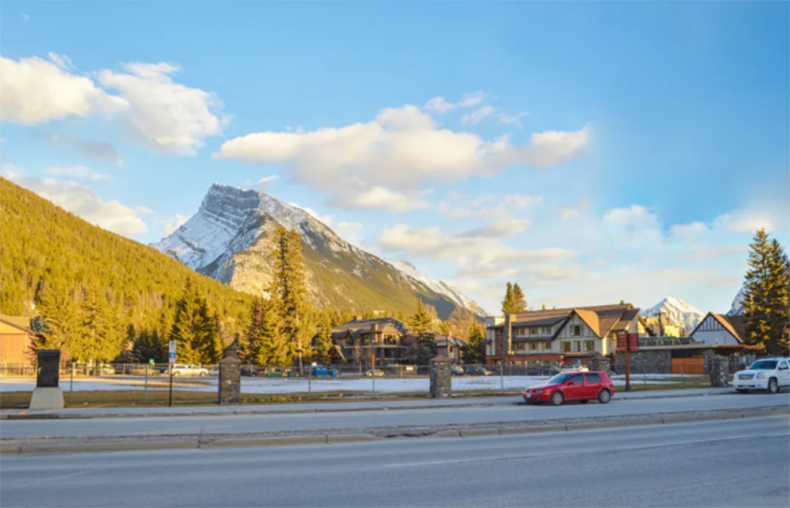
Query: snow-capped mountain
x,y
675,311
737,303
229,239
440,287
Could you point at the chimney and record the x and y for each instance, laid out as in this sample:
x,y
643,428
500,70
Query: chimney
x,y
507,347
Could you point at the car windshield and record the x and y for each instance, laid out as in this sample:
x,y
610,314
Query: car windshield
x,y
763,365
558,379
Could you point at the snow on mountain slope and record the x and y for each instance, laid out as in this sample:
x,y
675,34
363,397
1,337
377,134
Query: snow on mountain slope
x,y
736,309
409,270
230,239
675,311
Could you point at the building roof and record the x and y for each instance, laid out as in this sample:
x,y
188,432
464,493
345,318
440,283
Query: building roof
x,y
733,324
601,319
21,322
357,327
446,340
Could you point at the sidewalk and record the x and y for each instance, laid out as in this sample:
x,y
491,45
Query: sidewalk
x,y
319,407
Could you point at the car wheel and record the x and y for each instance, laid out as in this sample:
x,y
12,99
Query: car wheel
x,y
604,397
584,401
557,398
773,386
741,390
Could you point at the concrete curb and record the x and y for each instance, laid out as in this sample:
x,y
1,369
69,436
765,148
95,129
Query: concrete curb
x,y
80,445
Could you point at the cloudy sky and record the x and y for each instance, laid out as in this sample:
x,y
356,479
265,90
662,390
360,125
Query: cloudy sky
x,y
591,152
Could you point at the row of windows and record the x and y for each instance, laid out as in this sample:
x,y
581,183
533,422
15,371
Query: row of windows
x,y
534,330
532,346
575,346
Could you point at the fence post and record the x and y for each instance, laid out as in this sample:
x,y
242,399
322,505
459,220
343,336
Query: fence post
x,y
681,373
71,387
502,377
145,396
309,381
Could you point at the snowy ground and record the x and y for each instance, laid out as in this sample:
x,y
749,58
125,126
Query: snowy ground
x,y
276,386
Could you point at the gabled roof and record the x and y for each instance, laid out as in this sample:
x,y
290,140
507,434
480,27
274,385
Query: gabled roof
x,y
385,325
20,322
733,324
601,319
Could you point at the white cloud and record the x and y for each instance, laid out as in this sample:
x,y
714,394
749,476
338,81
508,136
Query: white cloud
x,y
33,90
83,202
568,212
709,253
144,210
439,105
76,172
688,231
477,115
498,229
61,61
471,100
512,119
383,163
745,220
172,224
166,116
267,179
636,216
350,232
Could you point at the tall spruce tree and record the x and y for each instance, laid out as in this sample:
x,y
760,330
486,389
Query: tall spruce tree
x,y
101,334
270,348
475,350
290,289
323,339
192,325
519,301
421,347
766,308
250,341
509,303
149,345
61,316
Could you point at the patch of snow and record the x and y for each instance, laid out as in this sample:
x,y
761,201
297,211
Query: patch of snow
x,y
677,312
736,309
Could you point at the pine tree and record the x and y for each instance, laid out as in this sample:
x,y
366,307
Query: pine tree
x,y
192,325
509,305
250,341
475,350
519,301
211,348
271,347
100,335
421,347
61,316
420,323
766,308
289,289
323,339
148,345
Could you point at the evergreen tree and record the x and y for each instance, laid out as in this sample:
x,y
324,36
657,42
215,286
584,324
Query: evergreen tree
x,y
475,350
192,326
61,316
445,327
271,347
212,347
509,305
323,339
100,335
250,341
420,323
148,345
766,308
289,288
519,301
421,347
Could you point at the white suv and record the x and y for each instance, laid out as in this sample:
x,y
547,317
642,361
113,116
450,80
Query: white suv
x,y
188,370
771,374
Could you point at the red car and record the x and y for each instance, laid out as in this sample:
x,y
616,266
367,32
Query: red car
x,y
583,386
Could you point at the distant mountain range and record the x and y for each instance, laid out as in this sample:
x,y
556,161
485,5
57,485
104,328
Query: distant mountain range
x,y
677,312
229,239
737,303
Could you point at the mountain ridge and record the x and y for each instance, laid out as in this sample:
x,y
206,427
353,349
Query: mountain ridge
x,y
228,239
675,311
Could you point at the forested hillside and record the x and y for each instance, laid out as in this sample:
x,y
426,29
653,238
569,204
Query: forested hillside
x,y
51,259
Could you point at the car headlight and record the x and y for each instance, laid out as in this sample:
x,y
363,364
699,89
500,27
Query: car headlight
x,y
760,375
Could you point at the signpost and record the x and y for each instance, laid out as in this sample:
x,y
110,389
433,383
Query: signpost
x,y
172,361
627,342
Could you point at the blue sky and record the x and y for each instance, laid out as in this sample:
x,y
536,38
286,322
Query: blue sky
x,y
590,151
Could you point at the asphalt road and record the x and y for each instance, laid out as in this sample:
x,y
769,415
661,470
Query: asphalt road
x,y
142,426
716,463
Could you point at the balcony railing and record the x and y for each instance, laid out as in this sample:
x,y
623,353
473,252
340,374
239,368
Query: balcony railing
x,y
667,341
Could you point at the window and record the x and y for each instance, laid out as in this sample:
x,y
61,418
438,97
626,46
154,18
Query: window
x,y
593,378
566,347
577,330
533,346
533,331
544,330
783,366
577,379
520,346
547,346
577,346
589,345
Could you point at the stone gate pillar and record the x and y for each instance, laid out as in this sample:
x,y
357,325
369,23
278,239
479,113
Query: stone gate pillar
x,y
229,385
719,371
441,377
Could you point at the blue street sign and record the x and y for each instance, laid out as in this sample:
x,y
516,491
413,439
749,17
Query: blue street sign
x,y
172,355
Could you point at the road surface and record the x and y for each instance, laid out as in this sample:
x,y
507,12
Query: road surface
x,y
231,424
716,463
